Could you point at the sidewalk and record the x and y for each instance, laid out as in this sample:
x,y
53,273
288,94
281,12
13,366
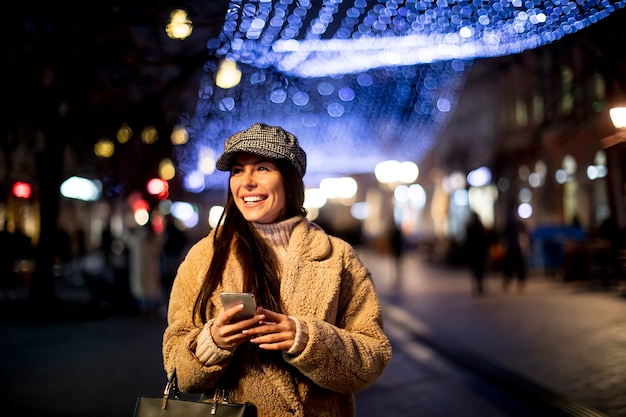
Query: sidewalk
x,y
569,338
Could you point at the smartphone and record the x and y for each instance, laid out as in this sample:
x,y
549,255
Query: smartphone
x,y
230,299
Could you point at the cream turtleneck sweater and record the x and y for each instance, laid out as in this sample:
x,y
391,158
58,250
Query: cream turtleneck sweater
x,y
278,234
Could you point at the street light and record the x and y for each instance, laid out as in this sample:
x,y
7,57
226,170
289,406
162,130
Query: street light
x,y
618,117
180,26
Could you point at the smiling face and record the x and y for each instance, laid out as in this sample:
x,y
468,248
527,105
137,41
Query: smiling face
x,y
257,188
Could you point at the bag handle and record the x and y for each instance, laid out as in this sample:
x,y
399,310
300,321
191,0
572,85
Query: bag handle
x,y
171,389
216,399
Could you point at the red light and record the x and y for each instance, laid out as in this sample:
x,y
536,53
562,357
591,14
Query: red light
x,y
157,224
140,204
136,202
158,187
21,190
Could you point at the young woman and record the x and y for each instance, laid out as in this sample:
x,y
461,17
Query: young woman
x,y
317,336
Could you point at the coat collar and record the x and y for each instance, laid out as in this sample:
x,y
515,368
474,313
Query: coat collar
x,y
309,241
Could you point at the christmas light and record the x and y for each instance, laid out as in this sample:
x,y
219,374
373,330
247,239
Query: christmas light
x,y
362,81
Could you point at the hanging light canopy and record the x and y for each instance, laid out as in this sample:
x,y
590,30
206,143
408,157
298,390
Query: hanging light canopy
x,y
361,81
343,37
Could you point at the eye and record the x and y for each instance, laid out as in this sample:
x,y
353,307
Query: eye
x,y
235,170
267,166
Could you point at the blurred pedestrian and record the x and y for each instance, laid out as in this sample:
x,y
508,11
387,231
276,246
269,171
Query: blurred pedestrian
x,y
614,239
20,255
396,243
145,248
476,251
174,242
516,247
9,255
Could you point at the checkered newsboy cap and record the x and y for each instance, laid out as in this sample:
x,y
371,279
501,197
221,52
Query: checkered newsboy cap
x,y
268,141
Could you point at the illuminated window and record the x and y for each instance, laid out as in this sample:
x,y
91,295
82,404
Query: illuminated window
x,y
521,113
538,107
567,90
570,187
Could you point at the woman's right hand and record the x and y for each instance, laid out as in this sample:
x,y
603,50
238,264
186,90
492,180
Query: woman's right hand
x,y
227,335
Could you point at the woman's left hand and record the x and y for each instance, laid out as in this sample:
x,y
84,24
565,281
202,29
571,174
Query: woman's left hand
x,y
276,332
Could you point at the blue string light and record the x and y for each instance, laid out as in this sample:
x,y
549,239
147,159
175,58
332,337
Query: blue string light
x,y
365,80
345,37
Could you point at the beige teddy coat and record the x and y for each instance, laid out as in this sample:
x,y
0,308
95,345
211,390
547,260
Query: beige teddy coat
x,y
325,285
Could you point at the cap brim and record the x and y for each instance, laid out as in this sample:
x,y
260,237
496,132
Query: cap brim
x,y
224,162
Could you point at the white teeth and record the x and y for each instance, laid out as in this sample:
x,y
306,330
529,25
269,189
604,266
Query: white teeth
x,y
252,199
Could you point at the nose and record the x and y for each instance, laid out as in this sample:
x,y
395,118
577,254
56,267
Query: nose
x,y
248,179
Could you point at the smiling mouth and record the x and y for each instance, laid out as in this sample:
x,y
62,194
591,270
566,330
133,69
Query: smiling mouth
x,y
254,199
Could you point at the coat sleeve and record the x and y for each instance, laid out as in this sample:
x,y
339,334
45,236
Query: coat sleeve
x,y
181,333
354,347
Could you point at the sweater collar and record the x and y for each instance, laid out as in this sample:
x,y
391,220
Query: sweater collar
x,y
309,240
279,233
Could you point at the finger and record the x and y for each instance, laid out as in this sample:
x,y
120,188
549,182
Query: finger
x,y
275,327
225,338
273,316
263,328
268,338
281,345
231,343
232,311
274,337
243,323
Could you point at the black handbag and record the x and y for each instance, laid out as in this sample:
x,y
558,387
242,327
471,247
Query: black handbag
x,y
171,405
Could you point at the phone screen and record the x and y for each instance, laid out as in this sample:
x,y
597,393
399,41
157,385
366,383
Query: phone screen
x,y
230,299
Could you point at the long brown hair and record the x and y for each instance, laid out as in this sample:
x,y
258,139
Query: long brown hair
x,y
257,258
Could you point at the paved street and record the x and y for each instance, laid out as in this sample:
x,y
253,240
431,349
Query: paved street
x,y
568,338
454,354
